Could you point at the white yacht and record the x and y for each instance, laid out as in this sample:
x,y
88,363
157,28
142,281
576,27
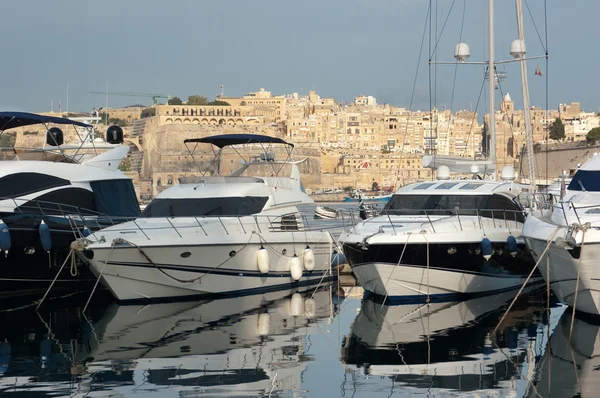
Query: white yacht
x,y
442,240
570,232
449,239
45,192
233,234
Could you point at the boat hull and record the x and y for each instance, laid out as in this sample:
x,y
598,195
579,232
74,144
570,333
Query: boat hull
x,y
437,272
196,271
564,265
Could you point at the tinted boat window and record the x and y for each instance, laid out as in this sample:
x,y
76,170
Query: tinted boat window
x,y
233,206
449,204
20,184
62,201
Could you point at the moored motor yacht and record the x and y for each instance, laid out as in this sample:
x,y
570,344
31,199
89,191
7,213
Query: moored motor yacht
x,y
569,231
443,240
234,234
46,192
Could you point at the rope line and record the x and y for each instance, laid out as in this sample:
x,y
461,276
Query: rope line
x,y
583,228
549,242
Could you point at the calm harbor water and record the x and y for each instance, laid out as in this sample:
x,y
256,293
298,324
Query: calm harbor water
x,y
328,341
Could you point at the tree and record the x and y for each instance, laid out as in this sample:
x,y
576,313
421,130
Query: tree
x,y
148,112
218,103
593,134
557,130
125,164
197,100
175,101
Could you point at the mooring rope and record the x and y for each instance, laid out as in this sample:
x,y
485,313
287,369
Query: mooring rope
x,y
583,228
550,240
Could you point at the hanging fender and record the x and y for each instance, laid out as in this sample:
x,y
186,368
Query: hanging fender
x,y
4,238
296,267
45,237
486,248
309,259
513,248
262,260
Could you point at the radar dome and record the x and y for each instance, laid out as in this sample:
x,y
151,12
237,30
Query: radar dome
x,y
462,52
114,135
508,173
443,173
54,136
517,49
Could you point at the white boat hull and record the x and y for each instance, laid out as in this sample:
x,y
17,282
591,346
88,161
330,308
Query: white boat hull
x,y
563,274
169,272
407,283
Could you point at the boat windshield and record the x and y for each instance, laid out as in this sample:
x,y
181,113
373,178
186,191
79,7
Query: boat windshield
x,y
198,207
585,180
490,206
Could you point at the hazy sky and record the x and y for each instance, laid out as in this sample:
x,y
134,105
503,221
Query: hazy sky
x,y
340,48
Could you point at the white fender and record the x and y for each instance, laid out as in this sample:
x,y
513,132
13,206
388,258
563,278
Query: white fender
x,y
262,260
309,259
296,305
296,267
310,308
264,324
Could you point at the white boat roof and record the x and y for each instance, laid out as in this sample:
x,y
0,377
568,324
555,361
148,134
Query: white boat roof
x,y
218,187
460,187
73,172
592,165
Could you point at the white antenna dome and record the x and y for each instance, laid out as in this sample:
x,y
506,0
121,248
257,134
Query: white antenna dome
x,y
443,173
474,169
462,52
508,173
517,49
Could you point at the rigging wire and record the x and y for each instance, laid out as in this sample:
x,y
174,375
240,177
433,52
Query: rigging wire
x,y
412,96
462,25
544,46
431,55
547,82
475,114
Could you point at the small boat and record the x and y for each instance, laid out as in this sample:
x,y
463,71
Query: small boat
x,y
325,212
368,198
223,235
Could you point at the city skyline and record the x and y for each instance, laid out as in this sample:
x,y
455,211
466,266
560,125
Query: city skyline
x,y
339,49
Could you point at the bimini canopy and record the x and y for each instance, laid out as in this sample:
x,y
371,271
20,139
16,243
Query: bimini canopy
x,y
11,120
238,139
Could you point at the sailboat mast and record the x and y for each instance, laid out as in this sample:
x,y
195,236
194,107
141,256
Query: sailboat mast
x,y
492,85
526,104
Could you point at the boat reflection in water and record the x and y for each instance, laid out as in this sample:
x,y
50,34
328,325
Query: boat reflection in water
x,y
570,367
249,346
445,347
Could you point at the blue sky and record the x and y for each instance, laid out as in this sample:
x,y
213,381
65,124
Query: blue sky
x,y
340,48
